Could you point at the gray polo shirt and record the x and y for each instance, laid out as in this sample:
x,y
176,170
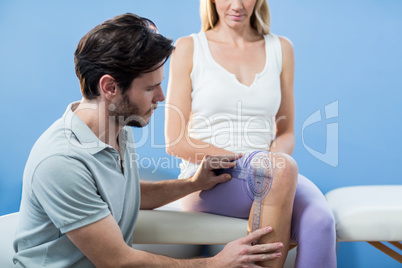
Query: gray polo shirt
x,y
73,179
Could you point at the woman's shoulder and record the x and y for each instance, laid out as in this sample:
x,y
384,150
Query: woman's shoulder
x,y
283,39
183,54
287,50
185,42
286,43
184,46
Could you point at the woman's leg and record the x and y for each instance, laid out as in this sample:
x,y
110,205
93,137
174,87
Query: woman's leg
x,y
276,209
313,227
230,198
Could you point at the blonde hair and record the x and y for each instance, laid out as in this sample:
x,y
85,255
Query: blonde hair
x,y
260,20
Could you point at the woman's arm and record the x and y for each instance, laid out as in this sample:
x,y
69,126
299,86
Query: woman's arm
x,y
285,137
178,108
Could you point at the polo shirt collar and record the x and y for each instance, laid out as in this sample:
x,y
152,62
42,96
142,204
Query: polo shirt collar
x,y
84,135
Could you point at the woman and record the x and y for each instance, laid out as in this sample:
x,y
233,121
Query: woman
x,y
231,91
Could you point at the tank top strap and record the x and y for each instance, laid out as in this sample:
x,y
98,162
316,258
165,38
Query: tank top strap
x,y
273,52
201,58
196,50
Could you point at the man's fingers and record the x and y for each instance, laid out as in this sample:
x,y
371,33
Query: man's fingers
x,y
265,248
230,157
265,252
226,164
215,161
257,234
218,164
264,257
222,178
251,265
225,157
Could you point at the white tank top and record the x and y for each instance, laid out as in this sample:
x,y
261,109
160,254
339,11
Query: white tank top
x,y
227,113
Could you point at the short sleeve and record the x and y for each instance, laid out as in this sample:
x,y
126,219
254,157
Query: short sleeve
x,y
67,192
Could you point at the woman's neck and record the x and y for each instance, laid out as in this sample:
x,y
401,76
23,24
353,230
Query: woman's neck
x,y
223,33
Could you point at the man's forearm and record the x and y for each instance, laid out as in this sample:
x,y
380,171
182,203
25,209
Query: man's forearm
x,y
145,259
103,244
159,193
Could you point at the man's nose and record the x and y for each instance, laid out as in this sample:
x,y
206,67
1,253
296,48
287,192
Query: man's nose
x,y
160,96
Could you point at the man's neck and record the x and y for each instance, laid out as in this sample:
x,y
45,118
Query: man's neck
x,y
95,114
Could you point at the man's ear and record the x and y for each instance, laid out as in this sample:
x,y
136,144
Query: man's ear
x,y
108,86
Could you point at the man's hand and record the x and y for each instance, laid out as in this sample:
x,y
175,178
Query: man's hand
x,y
241,253
205,177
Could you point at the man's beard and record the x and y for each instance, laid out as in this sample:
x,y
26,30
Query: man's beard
x,y
127,113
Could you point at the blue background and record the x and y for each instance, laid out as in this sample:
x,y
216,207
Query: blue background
x,y
347,52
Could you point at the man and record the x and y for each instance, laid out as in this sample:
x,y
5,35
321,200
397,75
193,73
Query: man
x,y
81,190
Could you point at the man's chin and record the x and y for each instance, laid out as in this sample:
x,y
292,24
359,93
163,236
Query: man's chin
x,y
136,120
138,123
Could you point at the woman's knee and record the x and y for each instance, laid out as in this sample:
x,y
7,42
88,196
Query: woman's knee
x,y
320,220
285,170
327,220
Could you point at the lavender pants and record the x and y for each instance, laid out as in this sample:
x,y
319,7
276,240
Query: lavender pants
x,y
313,226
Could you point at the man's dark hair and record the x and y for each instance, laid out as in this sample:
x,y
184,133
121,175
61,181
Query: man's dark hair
x,y
124,47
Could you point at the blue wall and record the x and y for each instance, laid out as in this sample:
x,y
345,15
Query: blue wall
x,y
348,61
